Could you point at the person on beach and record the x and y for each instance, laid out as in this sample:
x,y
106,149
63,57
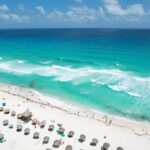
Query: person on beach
x,y
105,117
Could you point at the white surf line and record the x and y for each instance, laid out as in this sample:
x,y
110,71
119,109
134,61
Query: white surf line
x,y
78,113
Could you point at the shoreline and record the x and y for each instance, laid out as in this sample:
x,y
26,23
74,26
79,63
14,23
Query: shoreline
x,y
140,128
118,133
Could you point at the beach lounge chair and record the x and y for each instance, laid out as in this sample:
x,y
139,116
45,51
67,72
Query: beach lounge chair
x,y
61,130
2,138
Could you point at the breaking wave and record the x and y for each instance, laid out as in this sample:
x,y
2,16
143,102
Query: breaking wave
x,y
45,62
114,79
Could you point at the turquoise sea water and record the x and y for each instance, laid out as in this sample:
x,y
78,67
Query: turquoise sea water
x,y
105,69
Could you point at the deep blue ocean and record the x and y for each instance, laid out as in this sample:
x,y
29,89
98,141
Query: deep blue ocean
x,y
103,69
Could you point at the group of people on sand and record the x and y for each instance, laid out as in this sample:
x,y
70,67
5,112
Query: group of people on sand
x,y
105,118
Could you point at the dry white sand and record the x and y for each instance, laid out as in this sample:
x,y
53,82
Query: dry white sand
x,y
131,135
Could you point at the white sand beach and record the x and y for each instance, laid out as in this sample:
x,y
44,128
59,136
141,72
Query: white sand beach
x,y
117,131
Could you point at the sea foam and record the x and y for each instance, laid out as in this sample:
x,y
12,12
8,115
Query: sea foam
x,y
115,79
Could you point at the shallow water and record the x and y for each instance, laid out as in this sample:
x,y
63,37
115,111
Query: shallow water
x,y
105,69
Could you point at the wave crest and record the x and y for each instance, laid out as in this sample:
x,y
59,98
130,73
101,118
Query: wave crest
x,y
114,79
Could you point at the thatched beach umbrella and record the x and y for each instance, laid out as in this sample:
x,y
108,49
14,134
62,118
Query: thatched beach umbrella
x,y
68,147
36,135
1,109
119,148
6,111
94,142
4,102
26,131
71,134
61,130
19,128
82,138
34,121
13,113
5,122
51,127
42,124
26,116
1,136
45,140
59,125
11,126
19,116
105,146
56,143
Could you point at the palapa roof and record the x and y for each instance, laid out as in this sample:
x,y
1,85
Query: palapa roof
x,y
56,143
106,145
82,137
5,122
27,114
11,126
13,113
70,133
59,124
95,140
6,111
119,148
36,135
68,147
19,116
26,130
46,139
42,124
34,121
19,127
51,127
